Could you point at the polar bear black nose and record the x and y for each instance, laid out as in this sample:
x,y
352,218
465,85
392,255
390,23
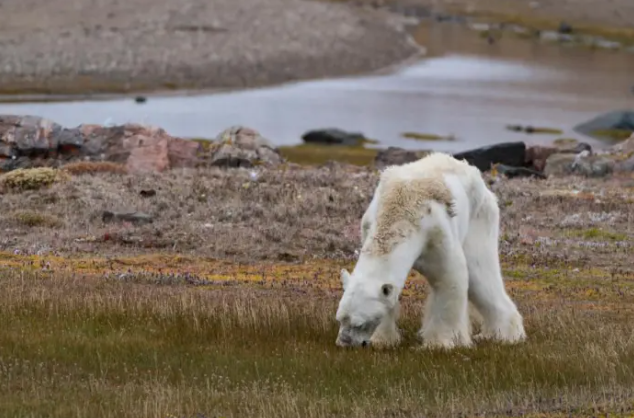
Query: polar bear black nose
x,y
364,343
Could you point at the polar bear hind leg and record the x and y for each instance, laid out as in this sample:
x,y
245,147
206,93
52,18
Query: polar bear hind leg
x,y
500,319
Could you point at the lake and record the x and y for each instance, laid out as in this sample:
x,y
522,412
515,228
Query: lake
x,y
464,87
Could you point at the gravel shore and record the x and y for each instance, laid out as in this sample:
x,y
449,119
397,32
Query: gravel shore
x,y
60,46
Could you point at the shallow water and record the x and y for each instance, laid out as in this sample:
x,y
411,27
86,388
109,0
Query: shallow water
x,y
465,87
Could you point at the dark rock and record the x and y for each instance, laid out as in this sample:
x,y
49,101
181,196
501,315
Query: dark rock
x,y
513,172
140,99
621,120
509,153
564,28
147,193
333,136
132,217
396,156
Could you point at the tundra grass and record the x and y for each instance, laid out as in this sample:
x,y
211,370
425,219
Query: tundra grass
x,y
104,338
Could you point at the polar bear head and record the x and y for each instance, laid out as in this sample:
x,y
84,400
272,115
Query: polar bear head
x,y
365,304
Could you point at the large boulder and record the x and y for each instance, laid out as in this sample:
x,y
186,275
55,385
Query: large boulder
x,y
511,154
624,147
537,155
239,146
582,164
396,156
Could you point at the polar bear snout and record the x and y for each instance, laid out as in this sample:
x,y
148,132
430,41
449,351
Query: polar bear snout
x,y
344,340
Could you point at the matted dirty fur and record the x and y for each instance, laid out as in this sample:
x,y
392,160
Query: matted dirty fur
x,y
402,203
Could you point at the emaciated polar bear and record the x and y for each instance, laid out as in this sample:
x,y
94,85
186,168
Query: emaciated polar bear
x,y
437,216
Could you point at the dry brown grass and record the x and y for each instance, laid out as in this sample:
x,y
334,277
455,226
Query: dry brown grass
x,y
94,167
224,306
293,214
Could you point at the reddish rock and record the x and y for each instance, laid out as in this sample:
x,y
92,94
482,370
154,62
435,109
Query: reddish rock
x,y
30,141
396,156
537,156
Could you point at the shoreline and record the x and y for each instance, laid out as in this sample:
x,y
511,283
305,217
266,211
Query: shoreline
x,y
418,53
344,42
383,43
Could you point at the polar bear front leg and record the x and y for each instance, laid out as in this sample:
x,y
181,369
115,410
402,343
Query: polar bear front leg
x,y
387,333
446,319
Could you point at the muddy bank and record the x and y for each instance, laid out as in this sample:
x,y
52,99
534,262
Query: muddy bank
x,y
103,46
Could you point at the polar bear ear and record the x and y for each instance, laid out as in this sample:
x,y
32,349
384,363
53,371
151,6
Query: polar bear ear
x,y
345,278
387,289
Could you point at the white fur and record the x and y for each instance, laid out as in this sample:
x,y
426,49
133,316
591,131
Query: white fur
x,y
457,254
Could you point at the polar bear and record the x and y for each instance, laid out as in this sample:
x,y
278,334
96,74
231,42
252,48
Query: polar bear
x,y
437,216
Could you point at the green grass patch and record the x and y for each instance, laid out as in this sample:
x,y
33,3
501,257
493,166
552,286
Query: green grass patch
x,y
310,154
73,346
597,234
613,134
427,137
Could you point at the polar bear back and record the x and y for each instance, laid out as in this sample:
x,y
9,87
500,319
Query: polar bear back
x,y
405,194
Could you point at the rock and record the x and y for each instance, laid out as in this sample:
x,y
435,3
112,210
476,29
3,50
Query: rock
x,y
147,193
28,136
509,153
610,123
132,217
625,166
240,146
571,164
537,155
624,147
512,172
333,136
140,99
30,141
396,156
